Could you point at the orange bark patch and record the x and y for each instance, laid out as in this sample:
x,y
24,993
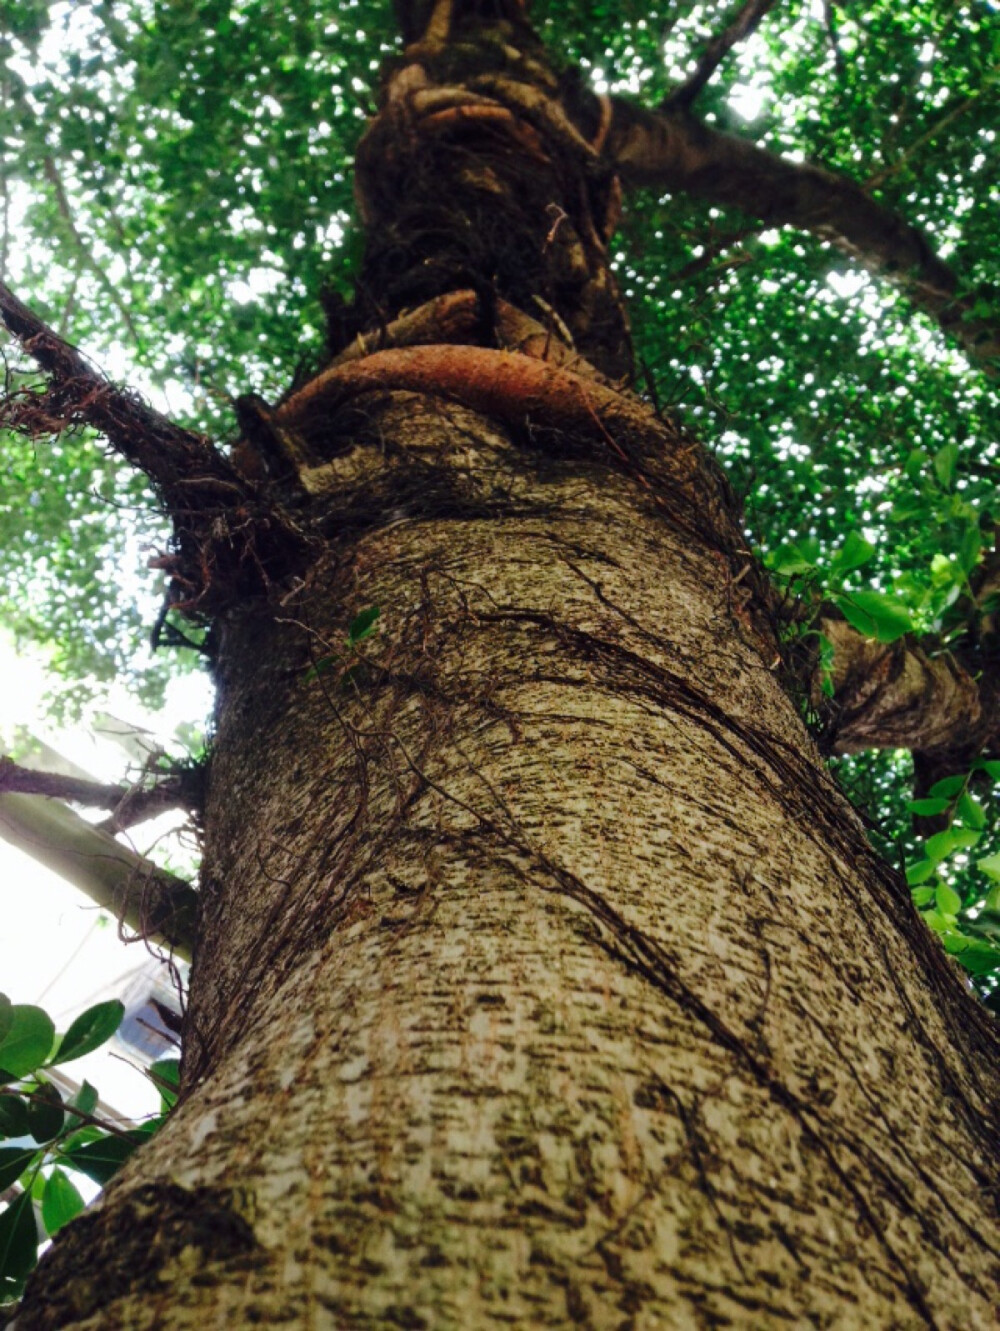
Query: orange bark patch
x,y
508,386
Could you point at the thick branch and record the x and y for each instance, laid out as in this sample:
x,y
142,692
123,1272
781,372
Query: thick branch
x,y
230,534
675,151
171,457
130,804
896,696
742,26
510,386
26,781
149,900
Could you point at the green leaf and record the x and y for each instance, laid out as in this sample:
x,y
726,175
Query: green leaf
x,y
915,462
853,553
943,844
14,1160
13,1116
948,787
976,956
922,896
363,624
971,811
926,808
942,570
18,1239
45,1113
27,1043
61,1201
90,1030
321,666
945,465
947,899
85,1099
81,1137
789,562
875,615
166,1073
919,871
991,766
970,547
990,865
101,1160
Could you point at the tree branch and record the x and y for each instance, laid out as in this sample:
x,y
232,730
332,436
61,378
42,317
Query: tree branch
x,y
957,109
146,898
230,533
745,22
129,804
26,781
673,150
170,456
898,696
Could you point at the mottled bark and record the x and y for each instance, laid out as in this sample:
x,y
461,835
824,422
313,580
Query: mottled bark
x,y
544,978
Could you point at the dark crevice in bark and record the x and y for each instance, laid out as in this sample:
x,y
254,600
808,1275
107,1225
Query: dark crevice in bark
x,y
128,1248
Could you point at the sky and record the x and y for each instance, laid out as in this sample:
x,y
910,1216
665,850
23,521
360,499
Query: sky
x,y
56,948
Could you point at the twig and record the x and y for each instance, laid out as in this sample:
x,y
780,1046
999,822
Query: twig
x,y
717,247
830,23
87,257
5,190
130,804
718,48
879,178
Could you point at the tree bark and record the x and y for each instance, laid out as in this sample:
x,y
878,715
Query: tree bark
x,y
544,978
898,696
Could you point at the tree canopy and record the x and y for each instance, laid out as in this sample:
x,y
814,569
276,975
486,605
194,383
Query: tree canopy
x,y
177,202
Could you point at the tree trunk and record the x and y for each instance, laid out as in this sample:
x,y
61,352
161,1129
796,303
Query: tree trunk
x,y
544,977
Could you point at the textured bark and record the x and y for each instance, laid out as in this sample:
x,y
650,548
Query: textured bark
x,y
897,696
544,977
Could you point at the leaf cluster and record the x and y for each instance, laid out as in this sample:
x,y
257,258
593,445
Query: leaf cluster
x,y
50,1137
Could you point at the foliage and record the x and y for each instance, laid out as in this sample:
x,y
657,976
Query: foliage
x,y
52,1138
180,175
